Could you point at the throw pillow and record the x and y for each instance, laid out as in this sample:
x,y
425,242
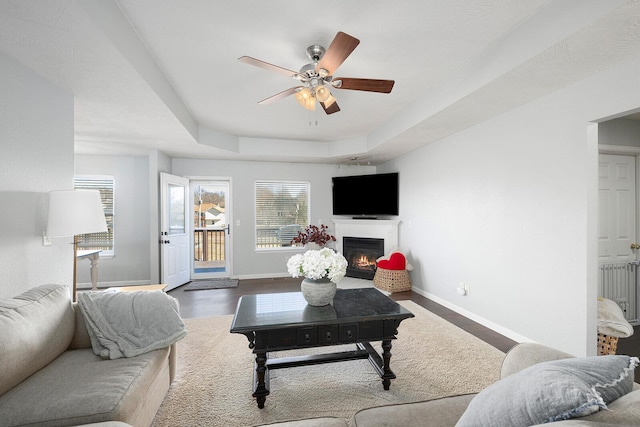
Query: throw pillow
x,y
395,249
396,261
552,391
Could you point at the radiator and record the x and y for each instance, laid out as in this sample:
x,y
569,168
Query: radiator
x,y
617,282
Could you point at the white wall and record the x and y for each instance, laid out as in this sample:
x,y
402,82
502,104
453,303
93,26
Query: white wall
x,y
508,207
247,262
36,156
132,212
619,132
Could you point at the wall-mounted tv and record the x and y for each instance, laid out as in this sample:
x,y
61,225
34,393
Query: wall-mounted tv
x,y
366,196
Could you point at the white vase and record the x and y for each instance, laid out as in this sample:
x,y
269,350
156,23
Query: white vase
x,y
318,292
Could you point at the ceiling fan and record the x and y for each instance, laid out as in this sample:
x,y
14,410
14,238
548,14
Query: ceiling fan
x,y
317,78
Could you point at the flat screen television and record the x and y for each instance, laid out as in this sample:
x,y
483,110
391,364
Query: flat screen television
x,y
366,196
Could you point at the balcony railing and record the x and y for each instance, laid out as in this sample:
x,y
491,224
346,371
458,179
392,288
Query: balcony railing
x,y
208,244
275,236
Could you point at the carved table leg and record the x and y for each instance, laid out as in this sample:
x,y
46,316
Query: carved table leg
x,y
261,380
388,375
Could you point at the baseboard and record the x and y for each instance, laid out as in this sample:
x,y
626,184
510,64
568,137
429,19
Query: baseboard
x,y
261,276
478,319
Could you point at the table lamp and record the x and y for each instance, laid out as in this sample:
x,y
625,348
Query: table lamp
x,y
74,212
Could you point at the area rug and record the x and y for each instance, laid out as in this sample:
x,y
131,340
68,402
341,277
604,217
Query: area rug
x,y
431,357
199,285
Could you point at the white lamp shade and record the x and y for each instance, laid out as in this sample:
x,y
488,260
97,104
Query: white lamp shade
x,y
73,212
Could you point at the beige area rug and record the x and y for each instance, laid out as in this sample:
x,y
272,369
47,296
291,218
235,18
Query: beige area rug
x,y
431,358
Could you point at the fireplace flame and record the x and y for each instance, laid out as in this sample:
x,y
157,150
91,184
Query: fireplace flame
x,y
364,263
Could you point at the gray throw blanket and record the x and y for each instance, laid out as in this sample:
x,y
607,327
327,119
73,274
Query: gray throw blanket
x,y
126,324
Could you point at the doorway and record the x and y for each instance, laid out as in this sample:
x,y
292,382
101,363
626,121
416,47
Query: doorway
x,y
617,235
211,243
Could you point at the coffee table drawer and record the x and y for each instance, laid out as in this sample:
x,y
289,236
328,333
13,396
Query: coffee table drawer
x,y
278,339
307,336
328,334
349,332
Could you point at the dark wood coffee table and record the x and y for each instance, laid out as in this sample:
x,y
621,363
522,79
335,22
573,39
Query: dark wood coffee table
x,y
284,321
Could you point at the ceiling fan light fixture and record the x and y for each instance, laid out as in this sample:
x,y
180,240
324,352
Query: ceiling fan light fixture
x,y
310,104
306,99
323,93
330,100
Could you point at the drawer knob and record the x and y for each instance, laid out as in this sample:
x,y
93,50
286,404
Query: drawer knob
x,y
349,334
307,338
328,336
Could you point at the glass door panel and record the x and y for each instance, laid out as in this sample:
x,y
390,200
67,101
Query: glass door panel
x,y
211,230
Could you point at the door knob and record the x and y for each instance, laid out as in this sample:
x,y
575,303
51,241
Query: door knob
x,y
635,246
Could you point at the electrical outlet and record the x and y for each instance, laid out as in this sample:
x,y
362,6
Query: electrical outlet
x,y
46,240
461,289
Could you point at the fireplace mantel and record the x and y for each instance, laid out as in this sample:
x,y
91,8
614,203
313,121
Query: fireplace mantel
x,y
386,229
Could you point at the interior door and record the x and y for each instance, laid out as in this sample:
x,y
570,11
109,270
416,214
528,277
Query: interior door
x,y
211,229
617,205
175,230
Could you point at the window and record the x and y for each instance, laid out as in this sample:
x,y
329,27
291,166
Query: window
x,y
282,209
105,185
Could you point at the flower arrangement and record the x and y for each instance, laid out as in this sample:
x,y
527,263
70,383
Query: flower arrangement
x,y
314,234
318,264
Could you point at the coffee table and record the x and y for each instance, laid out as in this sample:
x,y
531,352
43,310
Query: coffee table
x,y
284,321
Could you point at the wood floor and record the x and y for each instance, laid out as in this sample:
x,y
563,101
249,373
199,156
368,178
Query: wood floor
x,y
217,302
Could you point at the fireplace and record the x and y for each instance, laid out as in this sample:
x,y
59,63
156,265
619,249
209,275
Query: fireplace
x,y
361,254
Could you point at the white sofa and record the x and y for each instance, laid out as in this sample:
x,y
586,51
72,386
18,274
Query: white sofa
x,y
448,411
51,377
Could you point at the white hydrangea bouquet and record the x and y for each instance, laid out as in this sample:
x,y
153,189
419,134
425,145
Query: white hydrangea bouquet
x,y
318,264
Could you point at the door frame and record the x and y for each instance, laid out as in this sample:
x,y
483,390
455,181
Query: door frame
x,y
623,150
228,218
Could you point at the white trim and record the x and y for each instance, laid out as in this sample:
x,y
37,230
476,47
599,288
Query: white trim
x,y
619,149
469,315
262,276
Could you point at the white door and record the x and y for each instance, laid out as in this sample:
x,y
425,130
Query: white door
x,y
617,204
211,229
174,234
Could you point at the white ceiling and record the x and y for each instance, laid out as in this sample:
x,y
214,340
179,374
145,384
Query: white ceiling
x,y
160,74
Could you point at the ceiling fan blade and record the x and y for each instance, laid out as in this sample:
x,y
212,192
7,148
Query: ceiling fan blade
x,y
280,95
339,49
331,108
258,63
368,85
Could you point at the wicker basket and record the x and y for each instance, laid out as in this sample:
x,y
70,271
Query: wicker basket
x,y
607,344
392,280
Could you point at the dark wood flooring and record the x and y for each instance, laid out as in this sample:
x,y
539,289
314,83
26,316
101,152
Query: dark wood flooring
x,y
631,346
216,302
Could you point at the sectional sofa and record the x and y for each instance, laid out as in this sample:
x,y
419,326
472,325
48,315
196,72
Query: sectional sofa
x,y
51,377
535,381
